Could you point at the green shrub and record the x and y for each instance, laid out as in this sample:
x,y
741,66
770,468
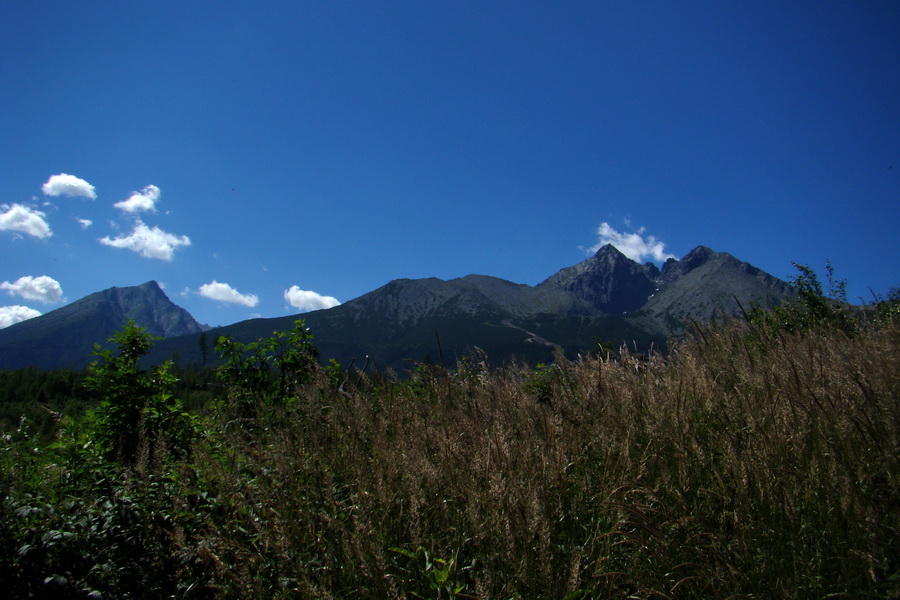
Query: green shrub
x,y
138,416
810,308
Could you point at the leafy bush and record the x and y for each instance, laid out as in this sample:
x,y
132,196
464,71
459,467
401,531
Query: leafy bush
x,y
138,416
810,308
267,371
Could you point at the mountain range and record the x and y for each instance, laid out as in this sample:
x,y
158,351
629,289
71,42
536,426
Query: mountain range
x,y
606,298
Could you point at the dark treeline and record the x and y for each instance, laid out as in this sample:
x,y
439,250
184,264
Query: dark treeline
x,y
42,396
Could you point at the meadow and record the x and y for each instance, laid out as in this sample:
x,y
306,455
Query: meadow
x,y
756,459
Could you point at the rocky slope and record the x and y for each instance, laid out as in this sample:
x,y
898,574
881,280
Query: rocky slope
x,y
607,298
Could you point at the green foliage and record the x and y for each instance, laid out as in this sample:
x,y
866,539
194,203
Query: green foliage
x,y
73,525
138,416
810,308
707,473
334,372
41,396
546,382
887,310
432,577
269,371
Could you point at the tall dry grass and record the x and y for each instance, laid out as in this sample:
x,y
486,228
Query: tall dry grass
x,y
741,465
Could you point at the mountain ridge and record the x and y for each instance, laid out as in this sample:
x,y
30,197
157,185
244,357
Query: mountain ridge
x,y
606,297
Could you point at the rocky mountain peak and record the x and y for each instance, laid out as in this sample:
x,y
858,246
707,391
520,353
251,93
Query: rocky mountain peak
x,y
697,257
609,253
606,296
608,282
65,336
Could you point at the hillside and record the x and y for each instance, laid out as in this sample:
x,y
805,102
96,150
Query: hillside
x,y
64,337
605,298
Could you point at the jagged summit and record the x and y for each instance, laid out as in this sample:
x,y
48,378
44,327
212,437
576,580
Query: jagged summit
x,y
605,297
608,282
697,257
610,251
706,283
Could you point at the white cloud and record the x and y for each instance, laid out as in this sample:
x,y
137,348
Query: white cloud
x,y
149,243
10,315
143,201
85,223
225,293
307,300
68,185
43,289
24,219
635,246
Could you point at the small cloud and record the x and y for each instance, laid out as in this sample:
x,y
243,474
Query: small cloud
x,y
307,300
42,289
148,242
23,219
225,293
68,185
85,223
635,246
10,315
143,201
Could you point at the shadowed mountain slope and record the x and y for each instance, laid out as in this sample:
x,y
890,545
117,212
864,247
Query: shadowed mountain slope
x,y
65,337
607,298
705,284
607,283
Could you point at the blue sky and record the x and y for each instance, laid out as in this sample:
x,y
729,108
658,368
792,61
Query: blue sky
x,y
271,156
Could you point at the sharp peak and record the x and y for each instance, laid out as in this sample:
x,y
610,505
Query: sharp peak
x,y
151,286
700,251
610,253
609,250
149,289
693,259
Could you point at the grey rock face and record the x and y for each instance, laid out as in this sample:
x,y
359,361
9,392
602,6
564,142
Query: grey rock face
x,y
608,282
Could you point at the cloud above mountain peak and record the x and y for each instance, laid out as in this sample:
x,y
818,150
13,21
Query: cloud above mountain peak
x,y
41,289
637,246
23,219
10,315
